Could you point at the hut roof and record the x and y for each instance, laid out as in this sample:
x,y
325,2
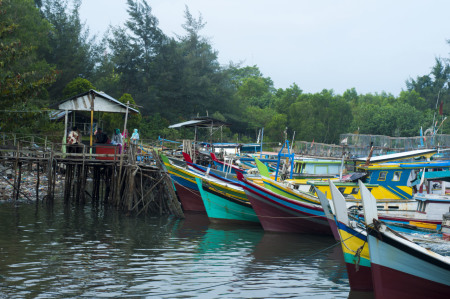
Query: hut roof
x,y
201,122
101,102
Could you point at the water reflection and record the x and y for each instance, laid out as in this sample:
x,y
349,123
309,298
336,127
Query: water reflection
x,y
70,251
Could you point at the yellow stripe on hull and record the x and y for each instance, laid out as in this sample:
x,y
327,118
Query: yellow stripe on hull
x,y
378,192
424,225
350,245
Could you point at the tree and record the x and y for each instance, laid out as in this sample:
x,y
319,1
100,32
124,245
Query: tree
x,y
77,86
396,119
254,91
24,75
71,50
285,98
433,87
320,117
134,49
203,82
117,120
274,130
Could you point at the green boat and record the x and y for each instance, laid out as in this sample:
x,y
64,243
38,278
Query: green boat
x,y
222,207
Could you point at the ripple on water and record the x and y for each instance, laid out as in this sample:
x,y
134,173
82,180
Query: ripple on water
x,y
87,253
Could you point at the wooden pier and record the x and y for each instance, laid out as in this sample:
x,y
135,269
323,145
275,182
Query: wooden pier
x,y
134,181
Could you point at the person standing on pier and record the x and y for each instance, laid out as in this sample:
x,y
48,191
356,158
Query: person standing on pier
x,y
117,139
135,137
124,139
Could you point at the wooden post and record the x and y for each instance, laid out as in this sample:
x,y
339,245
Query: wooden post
x,y
195,140
83,178
66,119
37,182
16,165
49,176
91,99
19,181
119,185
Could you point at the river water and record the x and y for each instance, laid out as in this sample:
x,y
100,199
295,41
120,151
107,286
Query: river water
x,y
72,251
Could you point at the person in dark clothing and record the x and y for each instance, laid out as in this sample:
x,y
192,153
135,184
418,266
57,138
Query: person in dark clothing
x,y
100,137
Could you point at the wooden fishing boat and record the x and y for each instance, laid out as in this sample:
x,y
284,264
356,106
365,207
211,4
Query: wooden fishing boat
x,y
185,185
385,176
424,212
354,245
401,268
226,167
279,213
228,203
329,213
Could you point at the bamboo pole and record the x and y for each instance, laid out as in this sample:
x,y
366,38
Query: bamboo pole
x,y
19,181
37,182
119,184
16,165
50,176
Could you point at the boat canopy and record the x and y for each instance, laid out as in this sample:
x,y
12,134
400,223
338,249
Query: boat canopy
x,y
200,122
399,156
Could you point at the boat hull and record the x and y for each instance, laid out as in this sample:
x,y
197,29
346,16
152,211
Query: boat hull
x,y
358,265
399,270
359,279
190,199
390,283
223,208
279,214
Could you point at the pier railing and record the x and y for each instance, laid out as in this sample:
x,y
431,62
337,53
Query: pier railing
x,y
40,147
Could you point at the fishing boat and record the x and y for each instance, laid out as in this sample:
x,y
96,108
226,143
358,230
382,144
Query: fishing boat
x,y
279,213
228,203
353,240
385,176
218,174
400,268
185,185
424,212
226,166
329,213
223,199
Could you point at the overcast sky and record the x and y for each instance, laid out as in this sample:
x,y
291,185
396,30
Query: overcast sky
x,y
371,45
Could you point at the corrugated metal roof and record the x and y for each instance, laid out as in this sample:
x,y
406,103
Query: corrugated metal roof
x,y
102,102
185,124
57,114
202,122
398,156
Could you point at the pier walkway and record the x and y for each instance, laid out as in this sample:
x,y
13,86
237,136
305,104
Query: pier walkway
x,y
134,181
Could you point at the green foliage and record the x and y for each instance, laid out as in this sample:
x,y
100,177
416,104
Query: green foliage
x,y
274,130
413,99
71,49
433,87
77,86
254,91
117,120
154,126
397,119
23,74
285,98
320,117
